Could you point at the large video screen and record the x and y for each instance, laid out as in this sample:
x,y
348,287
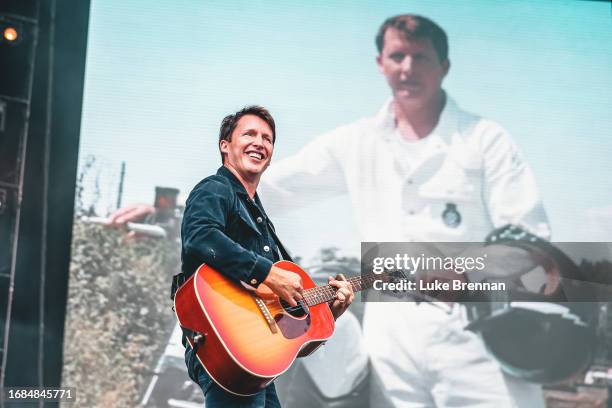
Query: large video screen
x,y
160,77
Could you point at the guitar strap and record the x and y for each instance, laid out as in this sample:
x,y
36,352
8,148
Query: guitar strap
x,y
283,252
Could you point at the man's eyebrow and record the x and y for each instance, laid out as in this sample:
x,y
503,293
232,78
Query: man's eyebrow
x,y
251,130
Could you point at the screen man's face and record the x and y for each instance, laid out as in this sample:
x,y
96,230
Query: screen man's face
x,y
412,67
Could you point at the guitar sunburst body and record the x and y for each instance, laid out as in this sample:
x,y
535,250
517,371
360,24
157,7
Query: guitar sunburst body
x,y
249,339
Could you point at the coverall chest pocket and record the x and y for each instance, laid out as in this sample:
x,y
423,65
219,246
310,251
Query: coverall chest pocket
x,y
453,194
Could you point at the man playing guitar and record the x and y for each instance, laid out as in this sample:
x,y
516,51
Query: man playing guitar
x,y
226,227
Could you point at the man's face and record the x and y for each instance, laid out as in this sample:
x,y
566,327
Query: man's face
x,y
250,150
412,67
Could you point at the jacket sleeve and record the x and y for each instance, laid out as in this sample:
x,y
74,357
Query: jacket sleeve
x,y
203,237
313,174
510,190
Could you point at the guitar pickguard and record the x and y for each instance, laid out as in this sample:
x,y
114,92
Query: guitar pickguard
x,y
291,327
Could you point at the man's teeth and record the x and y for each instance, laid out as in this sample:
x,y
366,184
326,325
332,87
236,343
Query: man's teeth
x,y
255,155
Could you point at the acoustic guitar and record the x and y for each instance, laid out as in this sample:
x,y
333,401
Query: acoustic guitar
x,y
244,339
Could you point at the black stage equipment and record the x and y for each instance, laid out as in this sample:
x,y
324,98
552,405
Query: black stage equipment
x,y
42,55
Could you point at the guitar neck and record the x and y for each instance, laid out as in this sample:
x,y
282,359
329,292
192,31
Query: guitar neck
x,y
324,294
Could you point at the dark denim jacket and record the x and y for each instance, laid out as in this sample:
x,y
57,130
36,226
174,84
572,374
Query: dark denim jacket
x,y
224,228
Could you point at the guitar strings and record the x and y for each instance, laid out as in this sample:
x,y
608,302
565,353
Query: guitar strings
x,y
315,294
357,283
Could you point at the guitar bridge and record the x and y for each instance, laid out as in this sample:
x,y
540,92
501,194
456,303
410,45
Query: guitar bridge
x,y
266,314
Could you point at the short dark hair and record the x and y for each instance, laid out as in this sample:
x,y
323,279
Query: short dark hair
x,y
228,124
415,26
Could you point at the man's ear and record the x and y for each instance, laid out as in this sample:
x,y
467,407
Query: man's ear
x,y
379,62
223,146
446,66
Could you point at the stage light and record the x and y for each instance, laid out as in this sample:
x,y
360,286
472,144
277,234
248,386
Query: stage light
x,y
10,34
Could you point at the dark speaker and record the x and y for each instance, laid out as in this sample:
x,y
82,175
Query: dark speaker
x,y
8,209
14,116
27,9
8,218
17,57
17,44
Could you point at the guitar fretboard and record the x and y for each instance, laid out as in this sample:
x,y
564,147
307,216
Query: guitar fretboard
x,y
323,294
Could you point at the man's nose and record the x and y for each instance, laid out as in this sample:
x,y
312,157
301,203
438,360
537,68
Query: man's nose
x,y
407,64
258,140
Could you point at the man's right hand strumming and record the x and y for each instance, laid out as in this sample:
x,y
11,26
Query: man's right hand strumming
x,y
286,285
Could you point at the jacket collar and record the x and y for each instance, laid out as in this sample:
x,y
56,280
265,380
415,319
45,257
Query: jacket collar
x,y
236,184
447,123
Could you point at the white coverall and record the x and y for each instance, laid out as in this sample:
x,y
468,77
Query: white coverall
x,y
456,185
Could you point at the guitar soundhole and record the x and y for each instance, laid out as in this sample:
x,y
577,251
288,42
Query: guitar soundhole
x,y
298,311
295,321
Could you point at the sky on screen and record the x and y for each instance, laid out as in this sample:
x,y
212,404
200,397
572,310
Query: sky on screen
x,y
161,75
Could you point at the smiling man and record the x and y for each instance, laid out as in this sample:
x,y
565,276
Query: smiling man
x,y
226,227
